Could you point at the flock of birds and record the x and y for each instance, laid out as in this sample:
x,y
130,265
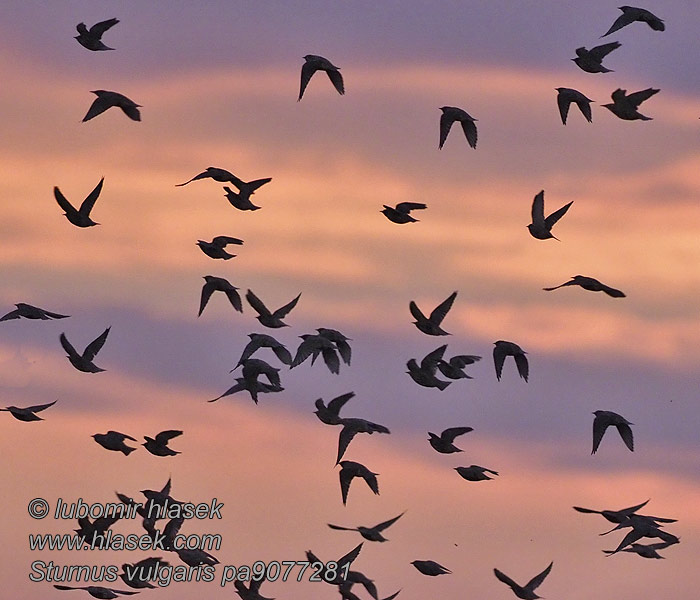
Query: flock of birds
x,y
258,376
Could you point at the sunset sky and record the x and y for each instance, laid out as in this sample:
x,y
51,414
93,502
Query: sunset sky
x,y
218,82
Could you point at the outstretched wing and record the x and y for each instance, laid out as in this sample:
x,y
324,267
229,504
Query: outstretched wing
x,y
307,70
337,403
600,52
98,106
442,309
67,346
257,304
165,436
99,28
451,433
445,125
625,432
637,98
283,311
499,357
504,578
557,214
538,208
337,80
563,102
622,21
89,202
382,526
40,407
599,427
63,202
538,579
346,434
95,345
469,128
522,364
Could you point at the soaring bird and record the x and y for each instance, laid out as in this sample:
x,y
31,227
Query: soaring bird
x,y
590,284
443,443
475,473
450,114
430,567
92,38
526,592
83,362
106,99
431,325
27,311
401,212
330,414
591,60
541,226
114,440
614,516
27,414
267,318
630,14
216,248
425,373
373,534
503,349
353,426
219,284
349,470
96,591
603,420
158,446
315,63
261,340
625,105
564,99
80,217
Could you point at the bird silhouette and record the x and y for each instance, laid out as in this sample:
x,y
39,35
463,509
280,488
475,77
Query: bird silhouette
x,y
373,534
566,96
92,38
219,284
425,373
114,440
401,212
106,99
353,426
80,217
603,420
216,248
334,576
630,14
158,446
590,284
431,325
591,60
454,368
614,516
443,443
526,592
450,114
267,318
27,414
541,226
349,470
330,414
261,340
503,349
475,473
315,63
27,311
83,362
430,568
96,591
625,105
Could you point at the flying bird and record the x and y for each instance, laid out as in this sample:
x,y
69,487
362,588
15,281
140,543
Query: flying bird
x,y
92,38
614,516
454,368
373,534
401,212
503,349
261,340
252,387
603,420
137,575
80,217
318,63
27,413
114,440
564,99
219,284
425,373
645,550
591,60
443,443
431,325
340,341
106,99
353,426
27,311
430,567
330,415
450,114
246,188
158,446
216,248
590,284
475,473
526,592
315,345
541,226
239,201
349,470
196,557
96,591
342,565
269,319
630,14
84,362
625,105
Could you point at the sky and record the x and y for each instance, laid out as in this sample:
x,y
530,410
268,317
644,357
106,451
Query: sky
x,y
218,83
